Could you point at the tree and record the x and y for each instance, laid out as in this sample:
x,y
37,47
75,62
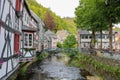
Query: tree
x,y
70,42
41,11
49,21
90,17
112,13
59,45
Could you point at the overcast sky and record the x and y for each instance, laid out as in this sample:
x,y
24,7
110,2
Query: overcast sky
x,y
63,8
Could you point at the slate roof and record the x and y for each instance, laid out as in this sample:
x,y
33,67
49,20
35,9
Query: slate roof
x,y
37,17
84,32
89,32
28,28
50,34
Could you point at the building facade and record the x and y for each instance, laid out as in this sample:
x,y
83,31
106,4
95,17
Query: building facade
x,y
61,35
40,32
85,39
19,36
29,35
10,36
51,40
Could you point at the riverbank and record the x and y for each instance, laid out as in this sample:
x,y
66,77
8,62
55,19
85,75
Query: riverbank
x,y
91,67
107,69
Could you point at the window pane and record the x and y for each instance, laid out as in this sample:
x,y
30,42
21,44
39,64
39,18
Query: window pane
x,y
28,39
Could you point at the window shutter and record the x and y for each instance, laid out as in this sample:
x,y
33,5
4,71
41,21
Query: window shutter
x,y
0,25
16,42
18,5
18,8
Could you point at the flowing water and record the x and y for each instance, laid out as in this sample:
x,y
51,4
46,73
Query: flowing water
x,y
54,68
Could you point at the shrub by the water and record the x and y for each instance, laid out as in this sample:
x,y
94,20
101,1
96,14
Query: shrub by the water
x,y
42,56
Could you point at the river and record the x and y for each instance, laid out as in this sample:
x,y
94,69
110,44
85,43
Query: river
x,y
55,68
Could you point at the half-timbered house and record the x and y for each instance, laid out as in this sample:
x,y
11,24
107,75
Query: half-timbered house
x,y
40,33
51,40
29,35
19,35
10,36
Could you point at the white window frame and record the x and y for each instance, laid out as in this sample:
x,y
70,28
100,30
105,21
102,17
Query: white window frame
x,y
27,40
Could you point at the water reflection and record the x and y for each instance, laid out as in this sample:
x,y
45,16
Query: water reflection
x,y
54,68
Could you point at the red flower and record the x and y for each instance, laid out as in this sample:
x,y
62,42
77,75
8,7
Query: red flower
x,y
19,52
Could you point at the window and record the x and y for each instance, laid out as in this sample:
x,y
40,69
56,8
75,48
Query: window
x,y
82,36
90,37
86,36
103,36
28,40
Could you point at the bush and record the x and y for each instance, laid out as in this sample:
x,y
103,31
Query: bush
x,y
71,52
42,56
70,42
59,45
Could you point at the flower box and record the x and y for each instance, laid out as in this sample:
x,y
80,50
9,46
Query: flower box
x,y
17,54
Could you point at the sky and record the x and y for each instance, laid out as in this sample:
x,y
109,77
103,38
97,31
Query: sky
x,y
63,8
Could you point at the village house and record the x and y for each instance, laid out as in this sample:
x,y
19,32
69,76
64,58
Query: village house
x,y
85,39
61,35
21,35
10,36
29,35
46,43
50,40
40,32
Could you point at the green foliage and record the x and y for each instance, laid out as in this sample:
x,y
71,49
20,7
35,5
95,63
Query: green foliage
x,y
23,70
70,21
89,16
59,45
71,52
96,15
42,56
83,61
70,42
59,22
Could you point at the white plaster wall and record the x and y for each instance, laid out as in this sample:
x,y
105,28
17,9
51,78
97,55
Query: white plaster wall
x,y
2,40
25,14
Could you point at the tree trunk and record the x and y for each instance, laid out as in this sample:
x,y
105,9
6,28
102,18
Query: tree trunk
x,y
79,40
101,38
110,35
93,39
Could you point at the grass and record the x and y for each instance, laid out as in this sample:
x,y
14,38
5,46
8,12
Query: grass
x,y
86,61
